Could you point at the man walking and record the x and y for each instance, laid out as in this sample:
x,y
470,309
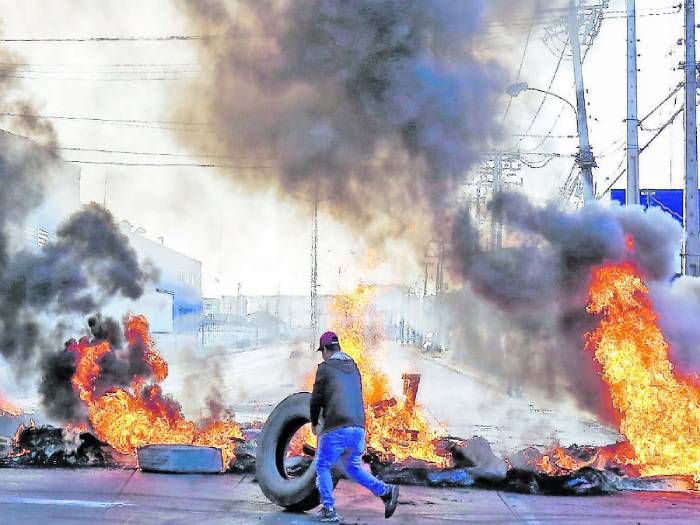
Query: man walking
x,y
337,397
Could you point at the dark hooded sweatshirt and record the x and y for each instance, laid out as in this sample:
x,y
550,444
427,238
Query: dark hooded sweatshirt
x,y
338,392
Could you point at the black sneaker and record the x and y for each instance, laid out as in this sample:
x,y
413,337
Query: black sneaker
x,y
327,515
390,499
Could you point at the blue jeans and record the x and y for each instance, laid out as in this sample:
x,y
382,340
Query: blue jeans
x,y
348,442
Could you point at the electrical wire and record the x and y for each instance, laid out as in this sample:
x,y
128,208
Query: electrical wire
x,y
666,99
544,98
642,149
522,59
97,79
164,38
153,154
171,165
125,122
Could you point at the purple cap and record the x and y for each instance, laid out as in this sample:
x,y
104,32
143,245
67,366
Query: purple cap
x,y
328,338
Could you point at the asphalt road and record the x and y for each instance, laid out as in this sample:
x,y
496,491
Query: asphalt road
x,y
59,496
253,382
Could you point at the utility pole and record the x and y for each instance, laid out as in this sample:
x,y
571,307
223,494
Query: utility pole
x,y
584,158
314,276
496,225
440,338
632,194
440,269
691,252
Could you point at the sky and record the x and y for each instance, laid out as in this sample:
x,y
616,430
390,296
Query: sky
x,y
257,239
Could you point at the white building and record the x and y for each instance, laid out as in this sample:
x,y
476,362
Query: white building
x,y
174,302
59,184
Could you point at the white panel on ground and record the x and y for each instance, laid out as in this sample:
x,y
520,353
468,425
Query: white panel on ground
x,y
183,459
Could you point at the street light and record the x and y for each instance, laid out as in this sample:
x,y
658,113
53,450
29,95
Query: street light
x,y
516,89
584,158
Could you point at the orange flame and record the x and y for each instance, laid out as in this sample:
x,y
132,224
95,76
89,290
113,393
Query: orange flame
x,y
141,415
9,408
658,409
397,430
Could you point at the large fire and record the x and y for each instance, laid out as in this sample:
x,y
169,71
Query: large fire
x,y
128,418
658,408
396,428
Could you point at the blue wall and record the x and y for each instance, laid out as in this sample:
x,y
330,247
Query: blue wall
x,y
671,201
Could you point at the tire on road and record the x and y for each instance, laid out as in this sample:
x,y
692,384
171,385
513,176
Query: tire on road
x,y
299,493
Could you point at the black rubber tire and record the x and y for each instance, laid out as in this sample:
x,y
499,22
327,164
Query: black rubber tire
x,y
297,494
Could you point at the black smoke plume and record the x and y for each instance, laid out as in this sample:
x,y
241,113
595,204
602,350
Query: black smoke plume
x,y
378,108
90,262
59,399
117,369
540,281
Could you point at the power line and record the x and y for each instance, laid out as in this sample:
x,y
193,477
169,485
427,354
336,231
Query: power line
x,y
155,154
642,149
549,135
522,58
114,65
666,99
164,38
544,98
127,122
97,79
171,165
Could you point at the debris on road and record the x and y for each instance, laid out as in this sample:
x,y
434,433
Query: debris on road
x,y
48,446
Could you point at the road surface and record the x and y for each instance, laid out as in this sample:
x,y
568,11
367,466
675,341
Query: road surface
x,y
59,496
253,382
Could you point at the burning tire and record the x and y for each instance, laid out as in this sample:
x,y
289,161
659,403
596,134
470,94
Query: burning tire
x,y
296,493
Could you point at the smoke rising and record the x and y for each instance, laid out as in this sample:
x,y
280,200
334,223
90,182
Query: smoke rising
x,y
89,262
23,119
375,107
678,306
540,281
117,368
58,398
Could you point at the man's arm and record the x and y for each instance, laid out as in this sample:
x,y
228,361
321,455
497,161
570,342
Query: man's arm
x,y
318,395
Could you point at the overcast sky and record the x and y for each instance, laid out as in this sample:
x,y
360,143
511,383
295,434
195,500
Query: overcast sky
x,y
255,238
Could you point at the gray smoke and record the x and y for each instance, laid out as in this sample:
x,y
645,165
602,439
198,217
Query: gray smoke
x,y
376,107
678,306
540,281
89,262
58,398
118,368
23,119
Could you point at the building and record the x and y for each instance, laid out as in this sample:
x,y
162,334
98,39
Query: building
x,y
57,191
174,302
